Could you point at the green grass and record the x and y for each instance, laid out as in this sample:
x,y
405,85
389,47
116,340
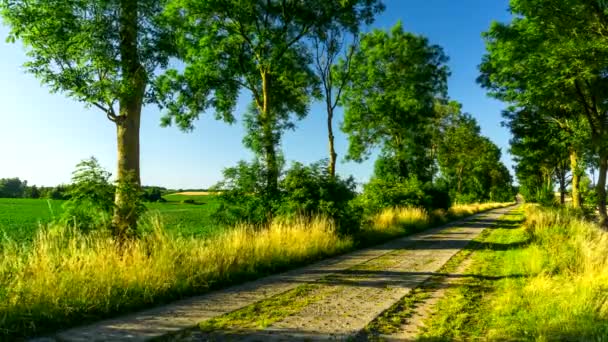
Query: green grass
x,y
541,281
263,313
20,218
185,219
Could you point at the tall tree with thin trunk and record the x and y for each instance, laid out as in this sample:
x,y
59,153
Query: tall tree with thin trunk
x,y
332,61
327,50
256,45
102,53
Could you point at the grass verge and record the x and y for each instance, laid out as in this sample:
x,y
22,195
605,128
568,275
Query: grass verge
x,y
544,280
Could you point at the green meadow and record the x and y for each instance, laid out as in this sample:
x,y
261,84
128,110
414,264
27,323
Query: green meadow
x,y
21,217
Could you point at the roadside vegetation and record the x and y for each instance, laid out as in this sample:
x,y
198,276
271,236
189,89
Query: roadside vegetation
x,y
65,274
541,281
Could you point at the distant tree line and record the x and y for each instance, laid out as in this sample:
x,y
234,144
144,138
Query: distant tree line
x,y
17,188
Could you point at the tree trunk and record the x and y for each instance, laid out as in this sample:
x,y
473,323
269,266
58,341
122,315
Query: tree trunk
x,y
128,123
330,134
270,155
128,175
576,197
601,190
562,189
459,187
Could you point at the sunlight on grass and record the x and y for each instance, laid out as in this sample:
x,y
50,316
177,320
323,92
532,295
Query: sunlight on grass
x,y
392,222
66,275
543,281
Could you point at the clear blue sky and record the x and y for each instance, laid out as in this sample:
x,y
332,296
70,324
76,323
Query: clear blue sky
x,y
43,136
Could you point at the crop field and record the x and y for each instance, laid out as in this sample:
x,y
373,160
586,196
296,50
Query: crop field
x,y
20,218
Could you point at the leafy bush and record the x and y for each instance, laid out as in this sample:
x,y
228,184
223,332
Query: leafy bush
x,y
152,194
303,190
380,193
242,198
91,197
310,190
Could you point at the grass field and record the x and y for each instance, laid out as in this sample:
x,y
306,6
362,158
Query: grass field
x,y
20,218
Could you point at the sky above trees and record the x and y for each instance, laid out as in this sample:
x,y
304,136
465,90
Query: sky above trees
x,y
44,135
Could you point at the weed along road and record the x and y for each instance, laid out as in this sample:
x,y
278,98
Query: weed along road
x,y
332,299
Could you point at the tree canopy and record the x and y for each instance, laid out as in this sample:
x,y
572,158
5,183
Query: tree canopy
x,y
389,100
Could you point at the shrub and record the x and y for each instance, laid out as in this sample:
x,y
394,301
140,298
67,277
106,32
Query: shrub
x,y
152,194
91,197
303,191
242,198
310,190
380,193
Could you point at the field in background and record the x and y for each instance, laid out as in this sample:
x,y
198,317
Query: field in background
x,y
20,218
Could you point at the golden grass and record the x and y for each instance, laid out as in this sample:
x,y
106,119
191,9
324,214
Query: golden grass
x,y
565,296
66,275
196,193
393,222
461,210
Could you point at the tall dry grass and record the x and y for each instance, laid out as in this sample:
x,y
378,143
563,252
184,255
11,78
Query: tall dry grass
x,y
393,222
66,276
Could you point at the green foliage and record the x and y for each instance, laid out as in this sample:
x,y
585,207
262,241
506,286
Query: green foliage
x,y
395,78
468,162
381,193
91,197
75,47
243,197
311,190
152,194
549,63
229,45
303,190
12,188
32,192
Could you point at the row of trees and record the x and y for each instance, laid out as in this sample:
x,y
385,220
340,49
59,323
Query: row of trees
x,y
549,65
17,188
114,55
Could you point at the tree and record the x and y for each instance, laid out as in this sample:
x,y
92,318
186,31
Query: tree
x,y
90,197
328,47
12,187
553,54
101,53
468,162
552,143
32,192
229,45
389,98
